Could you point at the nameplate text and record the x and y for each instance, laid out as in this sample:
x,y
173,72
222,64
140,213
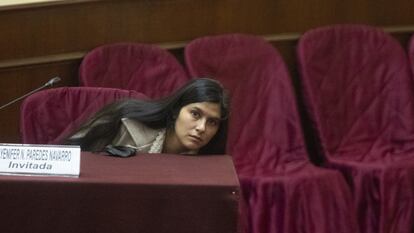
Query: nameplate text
x,y
26,159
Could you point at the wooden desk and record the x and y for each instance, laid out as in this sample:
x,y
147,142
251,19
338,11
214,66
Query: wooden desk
x,y
145,193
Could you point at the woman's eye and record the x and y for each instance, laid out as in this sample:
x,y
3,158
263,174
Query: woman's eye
x,y
212,122
195,114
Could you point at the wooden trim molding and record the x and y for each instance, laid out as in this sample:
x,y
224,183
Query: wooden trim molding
x,y
399,29
65,57
35,4
41,60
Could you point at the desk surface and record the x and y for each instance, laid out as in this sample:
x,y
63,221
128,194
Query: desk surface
x,y
149,168
145,193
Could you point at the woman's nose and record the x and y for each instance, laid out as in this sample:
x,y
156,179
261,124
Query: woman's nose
x,y
201,125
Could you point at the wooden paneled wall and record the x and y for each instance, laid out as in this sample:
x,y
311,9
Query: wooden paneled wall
x,y
41,41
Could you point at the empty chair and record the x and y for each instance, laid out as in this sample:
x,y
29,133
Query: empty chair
x,y
359,93
141,67
283,191
50,115
411,53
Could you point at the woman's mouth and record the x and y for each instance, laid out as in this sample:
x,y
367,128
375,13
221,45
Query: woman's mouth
x,y
195,138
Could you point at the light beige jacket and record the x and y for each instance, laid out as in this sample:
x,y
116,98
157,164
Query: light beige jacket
x,y
136,135
139,136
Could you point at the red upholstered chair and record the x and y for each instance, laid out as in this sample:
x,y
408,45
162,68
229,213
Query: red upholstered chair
x,y
359,93
50,115
411,53
283,191
141,67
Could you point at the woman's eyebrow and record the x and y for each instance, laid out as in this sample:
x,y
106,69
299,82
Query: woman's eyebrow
x,y
204,113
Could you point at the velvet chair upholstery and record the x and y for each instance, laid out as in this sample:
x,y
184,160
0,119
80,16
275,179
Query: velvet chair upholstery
x,y
50,115
145,68
358,91
283,191
411,53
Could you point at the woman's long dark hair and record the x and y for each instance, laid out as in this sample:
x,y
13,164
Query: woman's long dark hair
x,y
156,114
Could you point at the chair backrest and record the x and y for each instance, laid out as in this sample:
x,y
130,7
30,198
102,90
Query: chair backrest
x,y
145,68
50,115
264,127
411,53
358,90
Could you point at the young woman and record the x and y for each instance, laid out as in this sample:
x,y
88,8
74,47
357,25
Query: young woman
x,y
193,120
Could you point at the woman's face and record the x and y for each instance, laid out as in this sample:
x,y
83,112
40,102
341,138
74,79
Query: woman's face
x,y
196,125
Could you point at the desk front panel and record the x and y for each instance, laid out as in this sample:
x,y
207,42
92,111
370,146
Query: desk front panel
x,y
145,193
